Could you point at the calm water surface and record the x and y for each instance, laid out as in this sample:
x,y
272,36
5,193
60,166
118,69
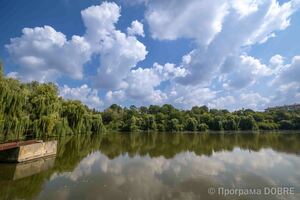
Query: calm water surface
x,y
159,166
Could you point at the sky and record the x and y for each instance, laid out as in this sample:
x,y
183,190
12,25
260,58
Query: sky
x,y
229,54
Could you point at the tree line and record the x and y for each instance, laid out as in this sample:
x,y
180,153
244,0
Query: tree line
x,y
199,118
36,109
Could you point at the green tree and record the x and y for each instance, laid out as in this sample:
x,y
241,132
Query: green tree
x,y
173,125
230,124
130,124
1,70
202,127
216,123
286,125
267,125
247,123
191,124
149,122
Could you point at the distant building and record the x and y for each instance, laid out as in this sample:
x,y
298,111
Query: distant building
x,y
285,107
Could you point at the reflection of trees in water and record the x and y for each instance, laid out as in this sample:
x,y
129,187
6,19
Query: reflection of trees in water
x,y
168,145
71,150
26,188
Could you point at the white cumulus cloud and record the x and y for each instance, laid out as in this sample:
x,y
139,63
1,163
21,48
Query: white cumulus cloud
x,y
219,71
141,84
243,71
221,29
44,54
118,52
137,28
86,95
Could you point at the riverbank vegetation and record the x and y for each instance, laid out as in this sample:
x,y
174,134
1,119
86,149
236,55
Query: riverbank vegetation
x,y
34,109
167,118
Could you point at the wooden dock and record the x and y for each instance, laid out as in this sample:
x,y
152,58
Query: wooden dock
x,y
21,151
11,145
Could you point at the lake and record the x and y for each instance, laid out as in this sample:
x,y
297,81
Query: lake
x,y
161,166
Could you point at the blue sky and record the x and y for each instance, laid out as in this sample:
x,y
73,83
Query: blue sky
x,y
230,55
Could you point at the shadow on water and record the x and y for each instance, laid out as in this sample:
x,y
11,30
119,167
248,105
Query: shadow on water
x,y
27,180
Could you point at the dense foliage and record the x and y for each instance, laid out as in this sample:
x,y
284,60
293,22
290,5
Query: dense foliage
x,y
34,109
167,118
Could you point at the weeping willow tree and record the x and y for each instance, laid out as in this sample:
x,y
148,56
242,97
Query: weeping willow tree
x,y
44,108
80,119
14,120
1,70
36,110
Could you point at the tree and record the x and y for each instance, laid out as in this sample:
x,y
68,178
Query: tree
x,y
167,109
199,110
247,123
154,109
191,124
216,123
202,127
205,118
144,110
248,112
44,100
116,107
161,121
96,123
280,115
173,125
1,70
204,109
130,125
149,122
296,122
34,108
230,124
286,125
267,125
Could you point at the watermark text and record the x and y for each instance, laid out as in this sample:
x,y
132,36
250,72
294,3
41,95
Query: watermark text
x,y
274,191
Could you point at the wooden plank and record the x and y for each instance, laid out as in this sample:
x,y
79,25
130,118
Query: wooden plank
x,y
11,145
27,150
